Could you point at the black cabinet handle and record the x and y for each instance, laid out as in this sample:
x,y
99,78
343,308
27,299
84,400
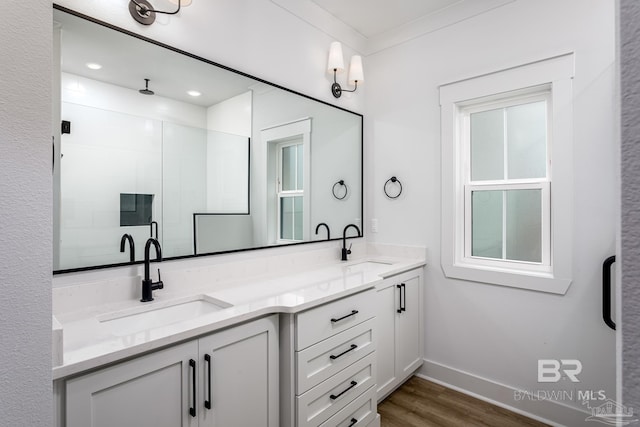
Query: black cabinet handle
x,y
207,402
606,292
192,364
353,313
353,347
335,396
402,298
353,422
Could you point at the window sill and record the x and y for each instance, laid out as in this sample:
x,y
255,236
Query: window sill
x,y
540,282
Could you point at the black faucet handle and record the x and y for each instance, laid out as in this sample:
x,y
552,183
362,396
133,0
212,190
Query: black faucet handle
x,y
349,250
159,284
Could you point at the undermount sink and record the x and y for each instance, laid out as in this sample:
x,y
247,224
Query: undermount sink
x,y
139,319
366,266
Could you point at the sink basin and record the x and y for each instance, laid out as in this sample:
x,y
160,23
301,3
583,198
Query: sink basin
x,y
366,266
139,319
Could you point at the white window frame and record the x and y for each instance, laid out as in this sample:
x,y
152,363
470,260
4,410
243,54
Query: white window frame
x,y
553,76
269,138
282,194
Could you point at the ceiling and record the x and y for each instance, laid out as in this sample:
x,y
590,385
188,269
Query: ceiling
x,y
374,17
126,61
369,26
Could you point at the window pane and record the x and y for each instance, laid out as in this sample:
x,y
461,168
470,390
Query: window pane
x,y
300,176
524,225
486,227
487,145
527,140
297,212
286,218
289,168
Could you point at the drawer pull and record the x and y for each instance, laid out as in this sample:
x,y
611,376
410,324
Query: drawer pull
x,y
207,402
402,298
353,422
192,409
335,396
353,347
353,313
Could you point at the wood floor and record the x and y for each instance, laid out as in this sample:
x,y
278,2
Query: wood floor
x,y
422,403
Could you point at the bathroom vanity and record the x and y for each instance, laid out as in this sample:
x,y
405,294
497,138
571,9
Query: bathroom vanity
x,y
297,349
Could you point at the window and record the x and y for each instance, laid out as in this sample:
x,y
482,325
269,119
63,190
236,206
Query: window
x,y
286,149
290,191
507,181
506,215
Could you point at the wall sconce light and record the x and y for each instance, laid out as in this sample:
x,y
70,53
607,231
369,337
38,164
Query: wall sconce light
x,y
144,13
336,64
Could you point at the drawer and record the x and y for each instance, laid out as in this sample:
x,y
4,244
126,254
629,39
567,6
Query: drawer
x,y
325,359
359,413
324,400
319,323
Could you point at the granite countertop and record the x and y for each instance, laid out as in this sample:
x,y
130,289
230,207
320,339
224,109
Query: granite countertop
x,y
94,336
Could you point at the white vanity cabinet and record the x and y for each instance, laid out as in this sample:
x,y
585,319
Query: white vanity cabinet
x,y
329,375
399,317
228,378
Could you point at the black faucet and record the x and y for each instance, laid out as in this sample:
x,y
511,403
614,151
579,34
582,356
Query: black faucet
x,y
346,251
327,227
148,286
151,229
132,246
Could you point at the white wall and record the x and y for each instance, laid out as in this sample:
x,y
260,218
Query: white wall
x,y
228,154
629,15
26,214
227,173
184,186
232,115
491,332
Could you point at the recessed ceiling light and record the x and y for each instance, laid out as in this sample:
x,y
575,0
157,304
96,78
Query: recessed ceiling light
x,y
93,65
194,93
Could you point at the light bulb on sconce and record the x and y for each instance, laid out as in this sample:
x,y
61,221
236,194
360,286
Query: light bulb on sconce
x,y
336,64
144,13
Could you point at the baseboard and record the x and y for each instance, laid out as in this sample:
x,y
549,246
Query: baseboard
x,y
547,411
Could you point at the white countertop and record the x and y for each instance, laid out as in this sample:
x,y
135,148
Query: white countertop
x,y
89,342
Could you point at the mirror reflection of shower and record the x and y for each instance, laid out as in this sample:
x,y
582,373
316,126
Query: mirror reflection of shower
x,y
146,90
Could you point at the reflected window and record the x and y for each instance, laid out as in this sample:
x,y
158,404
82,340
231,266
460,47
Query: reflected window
x,y
290,190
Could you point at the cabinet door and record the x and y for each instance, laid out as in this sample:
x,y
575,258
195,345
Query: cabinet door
x,y
386,305
240,376
152,390
409,328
